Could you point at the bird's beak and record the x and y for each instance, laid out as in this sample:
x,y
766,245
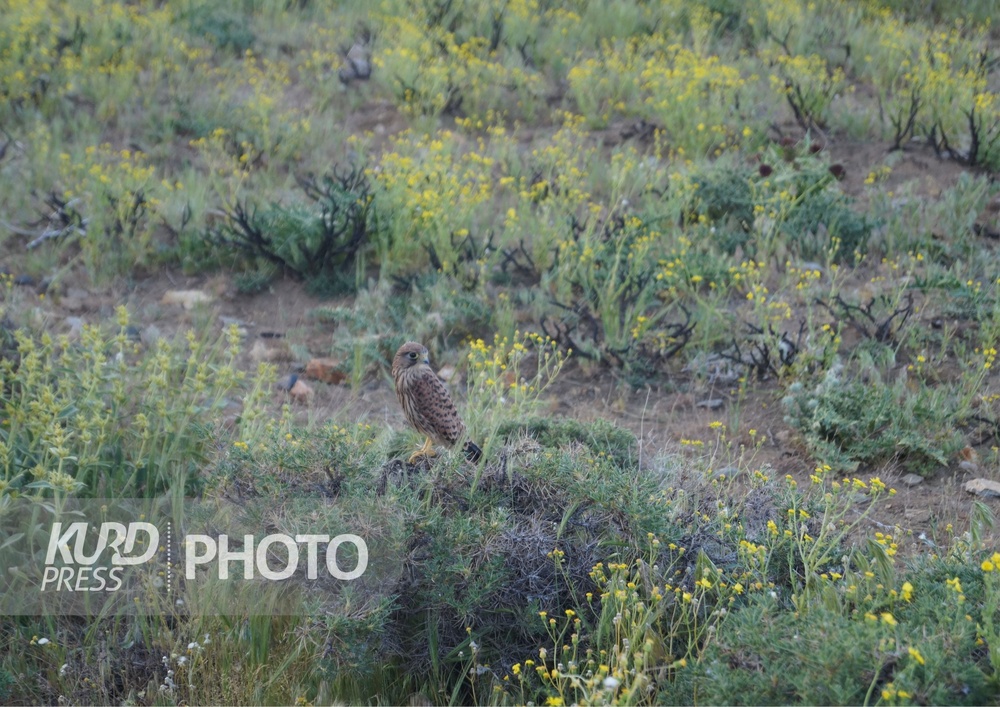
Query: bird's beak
x,y
426,359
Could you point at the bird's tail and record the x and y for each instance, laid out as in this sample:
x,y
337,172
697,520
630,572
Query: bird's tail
x,y
472,452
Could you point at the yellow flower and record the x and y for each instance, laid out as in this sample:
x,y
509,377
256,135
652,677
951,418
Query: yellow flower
x,y
915,654
907,592
888,619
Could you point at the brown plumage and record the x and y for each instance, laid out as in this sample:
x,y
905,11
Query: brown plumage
x,y
426,402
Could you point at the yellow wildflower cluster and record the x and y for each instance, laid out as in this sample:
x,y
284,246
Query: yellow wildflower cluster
x,y
808,83
431,69
694,97
434,192
92,51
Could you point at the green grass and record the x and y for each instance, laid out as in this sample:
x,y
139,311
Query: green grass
x,y
666,193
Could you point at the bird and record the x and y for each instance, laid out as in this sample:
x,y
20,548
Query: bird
x,y
426,403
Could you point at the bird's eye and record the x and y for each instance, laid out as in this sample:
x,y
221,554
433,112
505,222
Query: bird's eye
x,y
412,355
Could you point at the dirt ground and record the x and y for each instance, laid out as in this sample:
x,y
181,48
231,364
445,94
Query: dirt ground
x,y
659,416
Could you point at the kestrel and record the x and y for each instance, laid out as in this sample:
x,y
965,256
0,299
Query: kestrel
x,y
426,402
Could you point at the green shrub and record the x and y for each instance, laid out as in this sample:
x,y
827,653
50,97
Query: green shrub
x,y
480,564
847,422
322,239
769,655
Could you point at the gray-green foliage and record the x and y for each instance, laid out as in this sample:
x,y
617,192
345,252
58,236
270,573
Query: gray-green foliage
x,y
847,421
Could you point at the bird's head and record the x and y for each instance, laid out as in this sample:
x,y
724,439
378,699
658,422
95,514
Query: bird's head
x,y
410,354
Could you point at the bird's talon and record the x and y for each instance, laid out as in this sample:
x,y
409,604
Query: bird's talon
x,y
427,450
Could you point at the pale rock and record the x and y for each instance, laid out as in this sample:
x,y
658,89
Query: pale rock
x,y
188,299
917,515
270,353
301,392
713,404
983,487
75,325
150,335
912,480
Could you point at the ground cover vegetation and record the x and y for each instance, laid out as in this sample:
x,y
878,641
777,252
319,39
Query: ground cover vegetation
x,y
660,193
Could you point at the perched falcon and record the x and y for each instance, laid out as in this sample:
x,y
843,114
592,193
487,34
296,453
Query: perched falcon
x,y
426,402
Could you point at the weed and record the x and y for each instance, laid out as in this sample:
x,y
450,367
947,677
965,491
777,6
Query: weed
x,y
324,240
850,421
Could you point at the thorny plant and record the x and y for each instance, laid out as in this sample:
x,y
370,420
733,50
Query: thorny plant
x,y
325,239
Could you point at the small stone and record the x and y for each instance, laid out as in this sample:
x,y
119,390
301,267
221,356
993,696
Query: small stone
x,y
357,65
272,353
75,325
912,480
446,373
229,321
325,369
188,299
150,335
301,392
286,383
729,473
133,333
968,466
983,487
75,300
917,515
713,404
783,436
24,281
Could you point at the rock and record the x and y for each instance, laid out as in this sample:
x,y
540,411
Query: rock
x,y
286,383
783,436
76,299
188,299
133,333
357,64
301,392
325,369
241,326
969,460
447,373
912,480
24,281
75,325
150,335
983,488
713,404
272,353
71,304
917,515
